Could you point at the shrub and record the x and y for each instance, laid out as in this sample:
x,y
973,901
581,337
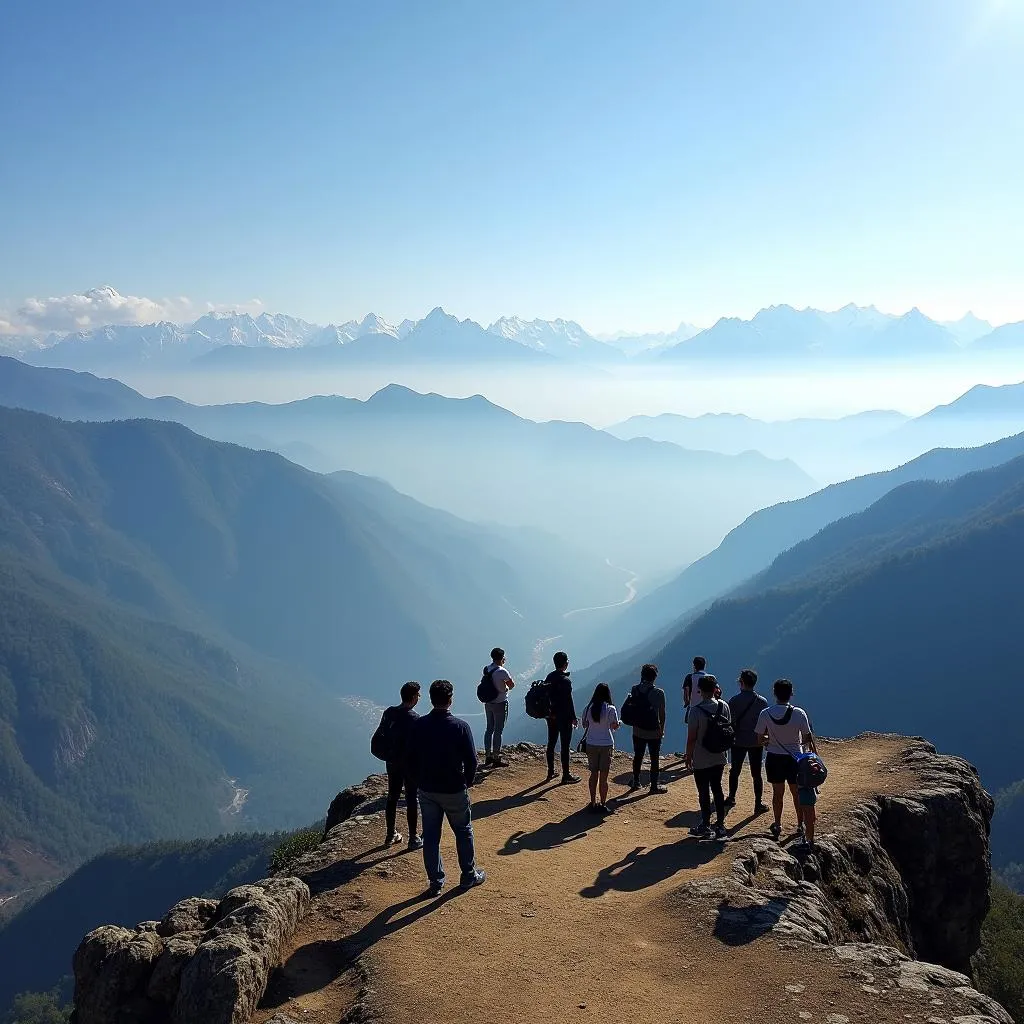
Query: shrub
x,y
999,967
294,847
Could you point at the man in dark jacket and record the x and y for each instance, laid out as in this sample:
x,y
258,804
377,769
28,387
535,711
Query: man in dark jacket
x,y
746,708
647,735
399,722
444,765
562,719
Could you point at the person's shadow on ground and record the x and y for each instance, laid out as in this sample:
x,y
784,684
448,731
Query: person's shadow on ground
x,y
495,805
552,833
646,866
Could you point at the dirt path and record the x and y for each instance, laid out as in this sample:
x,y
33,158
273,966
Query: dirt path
x,y
579,919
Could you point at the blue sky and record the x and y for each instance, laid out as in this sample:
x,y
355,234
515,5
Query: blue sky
x,y
625,165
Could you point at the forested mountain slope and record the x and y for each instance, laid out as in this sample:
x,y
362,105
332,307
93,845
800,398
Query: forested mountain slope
x,y
903,618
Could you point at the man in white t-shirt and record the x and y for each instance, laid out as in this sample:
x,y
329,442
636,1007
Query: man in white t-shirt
x,y
786,731
691,686
497,709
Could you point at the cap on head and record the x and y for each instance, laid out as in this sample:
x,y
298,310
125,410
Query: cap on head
x,y
441,693
699,664
708,684
783,690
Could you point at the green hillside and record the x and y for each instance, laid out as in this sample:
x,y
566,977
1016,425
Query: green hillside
x,y
889,620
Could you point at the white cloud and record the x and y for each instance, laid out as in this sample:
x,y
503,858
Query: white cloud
x,y
100,307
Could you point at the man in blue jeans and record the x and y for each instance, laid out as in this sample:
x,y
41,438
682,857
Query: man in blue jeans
x,y
444,765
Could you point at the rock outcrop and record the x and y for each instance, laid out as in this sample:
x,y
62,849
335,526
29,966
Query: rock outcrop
x,y
893,897
203,962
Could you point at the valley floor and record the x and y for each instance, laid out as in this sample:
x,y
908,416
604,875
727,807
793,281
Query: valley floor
x,y
580,919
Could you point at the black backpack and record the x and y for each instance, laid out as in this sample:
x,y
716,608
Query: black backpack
x,y
538,699
719,735
488,688
382,742
639,712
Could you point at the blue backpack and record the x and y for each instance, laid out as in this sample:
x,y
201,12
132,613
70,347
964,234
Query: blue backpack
x,y
810,771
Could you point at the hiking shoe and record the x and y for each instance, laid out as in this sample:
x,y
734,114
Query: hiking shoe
x,y
594,808
730,802
569,780
552,775
657,790
435,888
700,830
633,786
394,839
605,809
498,763
720,832
775,829
415,843
761,808
469,881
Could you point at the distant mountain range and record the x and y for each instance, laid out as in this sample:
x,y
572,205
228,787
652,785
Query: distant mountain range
x,y
630,501
275,340
829,449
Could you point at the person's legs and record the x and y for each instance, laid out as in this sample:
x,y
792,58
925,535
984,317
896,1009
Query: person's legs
x,y
432,814
738,754
778,801
489,730
552,740
395,779
715,784
702,779
795,794
457,810
655,748
500,718
639,749
592,758
604,785
810,817
756,755
565,738
411,807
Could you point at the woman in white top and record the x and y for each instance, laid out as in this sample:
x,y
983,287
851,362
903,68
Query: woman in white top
x,y
600,720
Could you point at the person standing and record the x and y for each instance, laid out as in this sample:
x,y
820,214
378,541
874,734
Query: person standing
x,y
496,709
562,719
691,685
398,722
745,708
708,765
648,702
600,720
786,730
444,764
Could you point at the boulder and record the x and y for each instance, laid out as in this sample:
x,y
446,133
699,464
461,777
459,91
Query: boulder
x,y
112,967
165,980
189,915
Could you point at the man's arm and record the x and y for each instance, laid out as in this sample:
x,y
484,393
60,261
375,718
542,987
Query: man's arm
x,y
691,741
661,715
687,691
468,755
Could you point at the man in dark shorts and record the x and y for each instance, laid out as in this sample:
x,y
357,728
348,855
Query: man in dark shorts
x,y
786,731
